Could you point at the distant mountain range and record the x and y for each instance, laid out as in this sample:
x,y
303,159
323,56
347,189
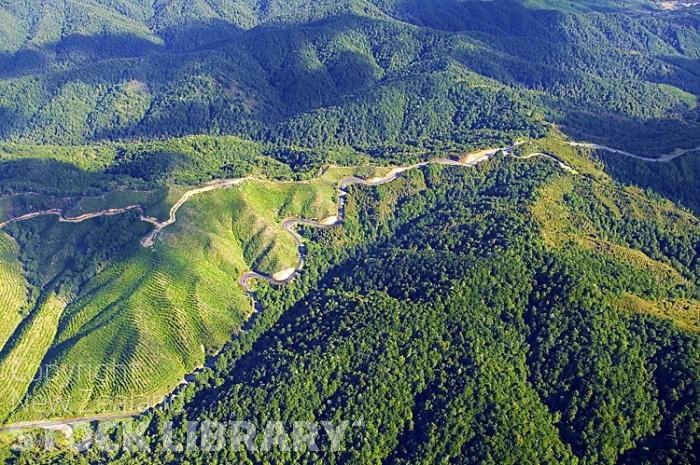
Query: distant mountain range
x,y
307,72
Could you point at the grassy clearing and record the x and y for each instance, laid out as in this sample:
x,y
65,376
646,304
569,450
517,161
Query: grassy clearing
x,y
664,274
685,314
560,208
551,213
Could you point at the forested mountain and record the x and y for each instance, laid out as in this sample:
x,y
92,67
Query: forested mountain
x,y
506,314
282,210
358,73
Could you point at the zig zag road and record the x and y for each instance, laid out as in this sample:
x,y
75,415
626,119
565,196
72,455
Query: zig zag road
x,y
469,160
289,225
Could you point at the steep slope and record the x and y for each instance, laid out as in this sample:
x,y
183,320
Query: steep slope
x,y
318,73
454,331
137,320
13,297
516,312
477,316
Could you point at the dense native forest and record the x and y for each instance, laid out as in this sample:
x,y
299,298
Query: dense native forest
x,y
519,311
362,73
442,319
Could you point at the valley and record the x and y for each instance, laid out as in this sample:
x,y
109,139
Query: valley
x,y
288,226
349,232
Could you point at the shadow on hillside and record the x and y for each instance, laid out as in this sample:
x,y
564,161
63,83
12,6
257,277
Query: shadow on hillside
x,y
79,50
677,180
542,50
497,17
687,76
209,78
151,166
52,177
74,50
651,138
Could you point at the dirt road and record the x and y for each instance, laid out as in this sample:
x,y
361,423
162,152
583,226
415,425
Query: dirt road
x,y
662,159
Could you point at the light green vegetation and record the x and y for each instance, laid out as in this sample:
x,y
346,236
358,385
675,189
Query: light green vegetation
x,y
592,217
685,314
20,359
13,289
137,329
137,319
576,157
138,325
251,215
85,157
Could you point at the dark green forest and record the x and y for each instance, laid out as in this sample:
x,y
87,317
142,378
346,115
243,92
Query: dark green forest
x,y
518,311
439,318
677,180
362,73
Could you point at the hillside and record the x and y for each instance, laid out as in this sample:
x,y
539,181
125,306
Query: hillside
x,y
469,226
355,73
153,314
460,315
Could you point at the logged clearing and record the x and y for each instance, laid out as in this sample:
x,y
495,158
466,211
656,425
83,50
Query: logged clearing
x,y
13,289
21,359
139,326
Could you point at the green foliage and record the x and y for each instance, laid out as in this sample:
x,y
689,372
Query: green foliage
x,y
477,73
20,359
153,315
677,180
440,318
13,294
508,313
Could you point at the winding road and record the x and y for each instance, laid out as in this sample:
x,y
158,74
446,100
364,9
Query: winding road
x,y
81,218
285,276
662,159
149,240
65,425
561,164
288,225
